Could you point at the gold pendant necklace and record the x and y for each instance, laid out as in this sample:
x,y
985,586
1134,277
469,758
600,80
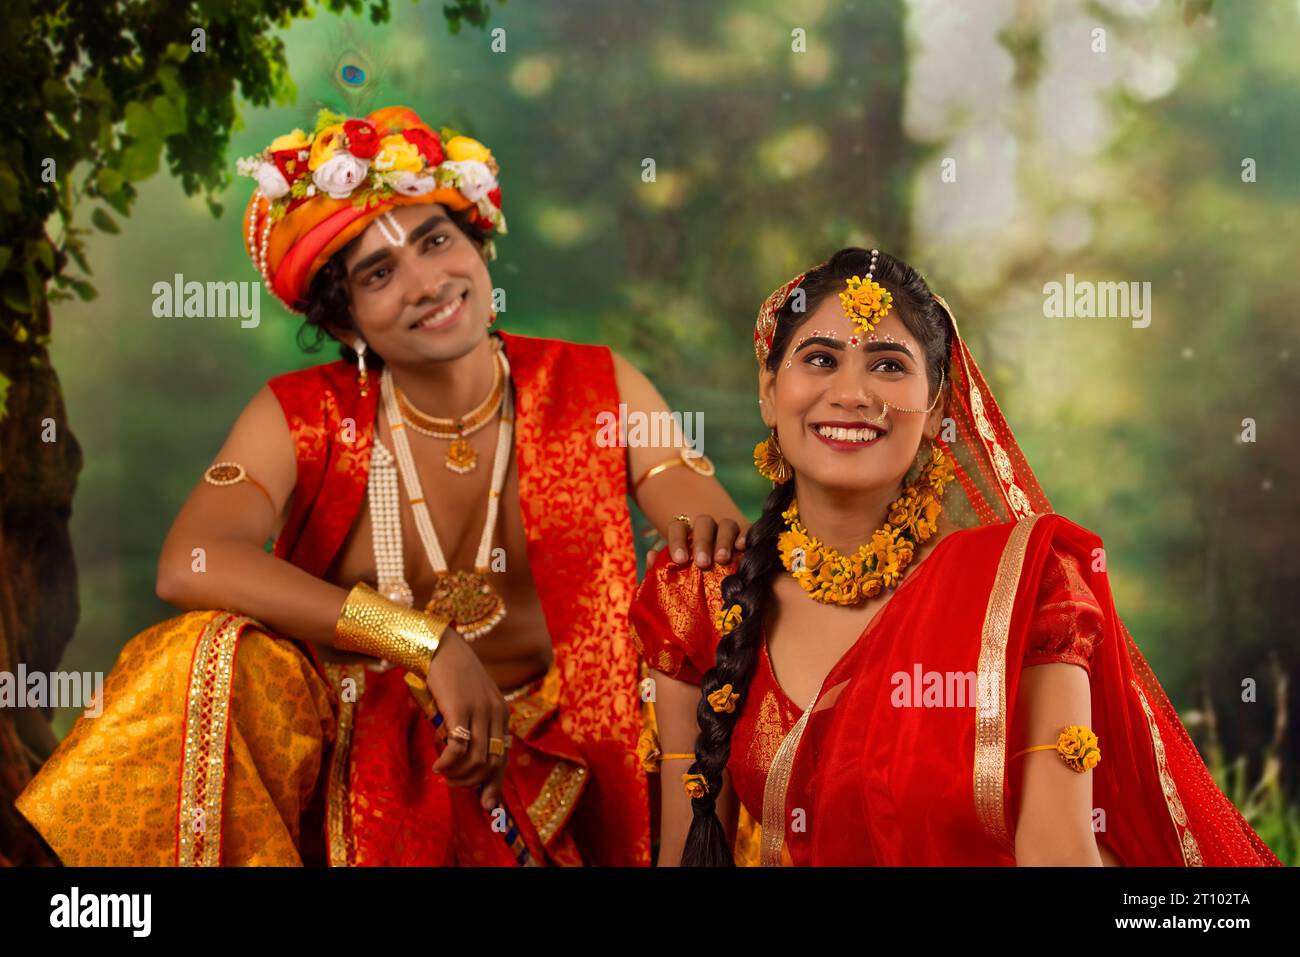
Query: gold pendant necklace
x,y
468,600
461,457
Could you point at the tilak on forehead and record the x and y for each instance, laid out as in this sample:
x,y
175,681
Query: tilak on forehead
x,y
391,229
317,192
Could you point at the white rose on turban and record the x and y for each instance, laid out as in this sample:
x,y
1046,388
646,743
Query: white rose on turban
x,y
473,178
411,184
271,180
339,175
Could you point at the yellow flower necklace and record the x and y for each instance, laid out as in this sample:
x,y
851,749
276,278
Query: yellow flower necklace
x,y
832,578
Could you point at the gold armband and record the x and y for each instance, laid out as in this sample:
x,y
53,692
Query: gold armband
x,y
697,462
370,624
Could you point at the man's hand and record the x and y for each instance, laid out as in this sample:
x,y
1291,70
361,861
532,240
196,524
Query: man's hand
x,y
468,697
711,540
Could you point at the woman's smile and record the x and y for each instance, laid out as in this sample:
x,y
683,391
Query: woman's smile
x,y
846,436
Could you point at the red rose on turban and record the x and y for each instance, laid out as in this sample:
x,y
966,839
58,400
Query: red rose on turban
x,y
429,145
289,165
495,197
363,139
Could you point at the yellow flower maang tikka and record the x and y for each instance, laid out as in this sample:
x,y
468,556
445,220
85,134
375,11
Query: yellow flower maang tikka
x,y
865,301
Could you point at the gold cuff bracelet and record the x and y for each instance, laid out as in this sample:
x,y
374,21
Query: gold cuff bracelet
x,y
370,624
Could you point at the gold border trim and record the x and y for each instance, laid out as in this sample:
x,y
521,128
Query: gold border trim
x,y
1015,497
207,721
776,787
1186,842
339,836
991,724
557,799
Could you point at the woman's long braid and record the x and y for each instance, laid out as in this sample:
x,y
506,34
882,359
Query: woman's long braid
x,y
751,588
751,585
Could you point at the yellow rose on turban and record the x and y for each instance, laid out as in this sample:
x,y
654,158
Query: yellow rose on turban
x,y
289,141
396,152
325,145
465,148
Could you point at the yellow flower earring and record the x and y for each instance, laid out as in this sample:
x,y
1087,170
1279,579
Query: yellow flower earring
x,y
769,461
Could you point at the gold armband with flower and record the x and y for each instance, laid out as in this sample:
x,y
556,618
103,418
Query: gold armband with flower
x,y
370,624
1077,746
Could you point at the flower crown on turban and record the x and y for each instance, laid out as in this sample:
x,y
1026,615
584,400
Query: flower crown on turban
x,y
318,191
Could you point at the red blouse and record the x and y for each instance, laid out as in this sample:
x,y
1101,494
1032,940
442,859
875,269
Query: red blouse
x,y
672,624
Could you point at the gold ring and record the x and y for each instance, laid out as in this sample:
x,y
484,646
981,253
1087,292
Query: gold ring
x,y
683,518
496,747
461,733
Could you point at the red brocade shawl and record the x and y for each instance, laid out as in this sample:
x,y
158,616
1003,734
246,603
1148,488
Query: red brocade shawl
x,y
884,777
574,784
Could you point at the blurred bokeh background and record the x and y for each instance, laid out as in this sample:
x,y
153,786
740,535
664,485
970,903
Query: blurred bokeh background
x,y
1160,150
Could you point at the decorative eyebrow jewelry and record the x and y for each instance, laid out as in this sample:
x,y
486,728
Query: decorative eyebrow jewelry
x,y
829,334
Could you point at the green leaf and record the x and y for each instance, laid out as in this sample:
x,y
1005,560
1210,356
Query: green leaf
x,y
140,122
74,250
5,255
104,221
4,393
169,114
327,118
97,91
108,180
140,160
170,80
40,249
121,201
83,289
16,299
9,191
57,96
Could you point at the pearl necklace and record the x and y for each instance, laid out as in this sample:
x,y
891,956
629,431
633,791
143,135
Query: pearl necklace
x,y
464,597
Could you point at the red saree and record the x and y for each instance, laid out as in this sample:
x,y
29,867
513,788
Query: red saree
x,y
899,760
895,771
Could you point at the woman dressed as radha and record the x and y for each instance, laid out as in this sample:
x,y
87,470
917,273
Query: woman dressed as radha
x,y
915,662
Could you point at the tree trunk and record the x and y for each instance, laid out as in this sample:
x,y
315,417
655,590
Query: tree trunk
x,y
40,460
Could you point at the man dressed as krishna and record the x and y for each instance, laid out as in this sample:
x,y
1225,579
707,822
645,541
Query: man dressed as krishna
x,y
915,661
434,666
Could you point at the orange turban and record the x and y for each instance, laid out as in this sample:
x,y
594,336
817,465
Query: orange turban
x,y
317,192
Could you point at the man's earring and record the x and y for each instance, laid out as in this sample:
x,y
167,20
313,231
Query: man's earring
x,y
769,461
492,317
362,378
